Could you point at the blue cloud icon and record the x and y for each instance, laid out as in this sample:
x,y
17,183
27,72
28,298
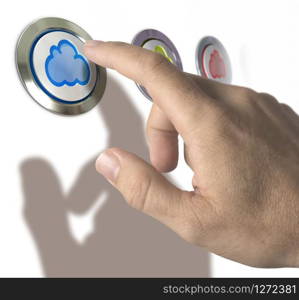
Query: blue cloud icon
x,y
65,66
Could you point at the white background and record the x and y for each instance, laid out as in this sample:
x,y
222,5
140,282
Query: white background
x,y
75,231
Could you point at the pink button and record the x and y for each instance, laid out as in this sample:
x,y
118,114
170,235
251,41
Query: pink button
x,y
213,63
212,60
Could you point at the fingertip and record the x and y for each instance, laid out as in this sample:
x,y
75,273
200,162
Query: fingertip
x,y
164,156
164,166
91,47
108,165
92,43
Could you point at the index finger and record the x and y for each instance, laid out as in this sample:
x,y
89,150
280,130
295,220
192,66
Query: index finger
x,y
174,92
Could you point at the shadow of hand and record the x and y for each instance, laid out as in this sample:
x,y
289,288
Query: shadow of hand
x,y
124,243
45,213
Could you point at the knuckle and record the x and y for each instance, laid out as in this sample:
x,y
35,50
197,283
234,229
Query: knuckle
x,y
266,95
286,107
245,95
230,124
246,92
268,98
269,103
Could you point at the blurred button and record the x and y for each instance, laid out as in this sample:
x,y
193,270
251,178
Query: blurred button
x,y
212,60
161,48
158,42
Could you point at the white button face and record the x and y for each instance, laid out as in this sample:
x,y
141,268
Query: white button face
x,y
213,63
61,69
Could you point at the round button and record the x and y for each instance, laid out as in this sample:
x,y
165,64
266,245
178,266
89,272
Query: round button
x,y
61,69
54,70
158,42
212,60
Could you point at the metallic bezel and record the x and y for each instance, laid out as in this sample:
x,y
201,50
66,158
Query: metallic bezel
x,y
23,49
151,34
201,46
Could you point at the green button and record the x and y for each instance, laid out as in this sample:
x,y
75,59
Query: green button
x,y
160,49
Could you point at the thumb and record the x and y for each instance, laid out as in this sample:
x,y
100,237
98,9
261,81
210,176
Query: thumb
x,y
146,189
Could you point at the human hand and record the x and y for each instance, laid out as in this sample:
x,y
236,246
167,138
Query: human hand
x,y
241,145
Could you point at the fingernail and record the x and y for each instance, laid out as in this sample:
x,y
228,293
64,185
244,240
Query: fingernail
x,y
92,43
108,165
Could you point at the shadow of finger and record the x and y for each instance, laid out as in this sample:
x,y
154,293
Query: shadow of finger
x,y
45,215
